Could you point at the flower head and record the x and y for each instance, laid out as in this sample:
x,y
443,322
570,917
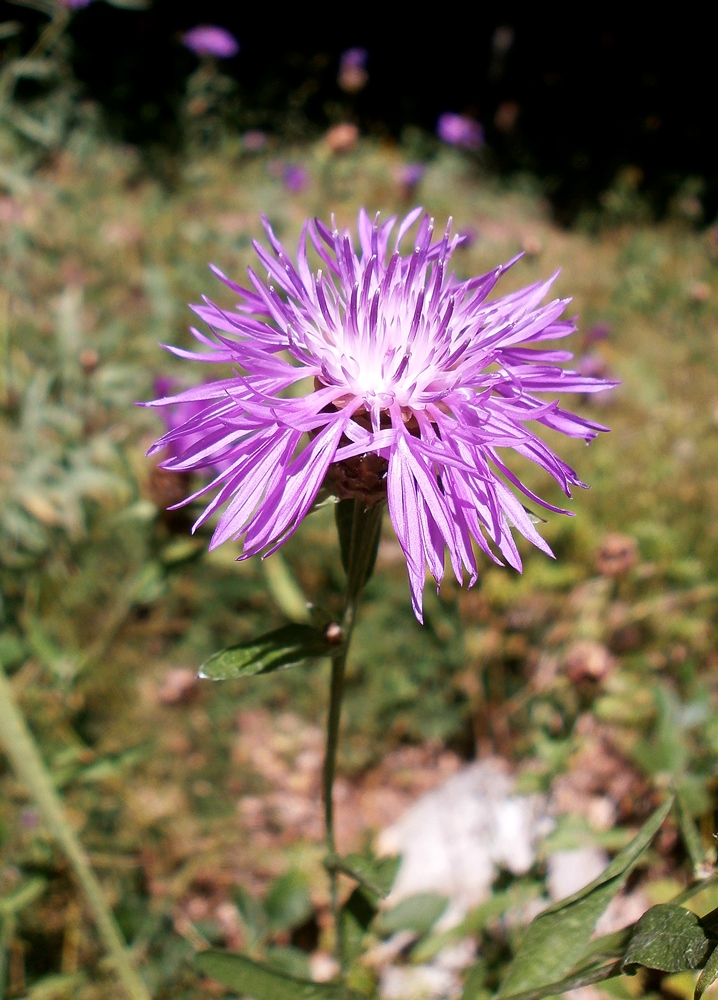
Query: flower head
x,y
417,385
460,130
210,40
353,76
295,177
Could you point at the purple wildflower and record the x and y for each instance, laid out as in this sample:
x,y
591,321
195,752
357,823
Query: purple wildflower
x,y
353,76
419,383
409,176
460,130
210,40
75,4
295,177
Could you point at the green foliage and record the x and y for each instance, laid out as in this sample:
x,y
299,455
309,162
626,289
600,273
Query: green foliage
x,y
376,875
262,983
668,938
539,965
285,647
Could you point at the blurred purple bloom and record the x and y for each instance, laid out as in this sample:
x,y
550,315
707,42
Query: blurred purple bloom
x,y
460,130
599,331
353,59
177,416
410,175
295,177
468,237
210,40
420,381
352,75
75,4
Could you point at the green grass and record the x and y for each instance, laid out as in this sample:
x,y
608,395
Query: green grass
x,y
102,593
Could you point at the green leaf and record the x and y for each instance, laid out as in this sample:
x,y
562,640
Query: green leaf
x,y
691,836
262,983
355,917
375,874
558,941
588,975
416,913
253,916
284,647
708,976
477,919
287,958
288,903
668,938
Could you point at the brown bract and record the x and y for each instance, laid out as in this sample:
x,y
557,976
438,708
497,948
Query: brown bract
x,y
617,555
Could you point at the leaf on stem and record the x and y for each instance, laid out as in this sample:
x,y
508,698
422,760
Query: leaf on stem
x,y
259,982
558,941
708,976
668,938
374,874
285,647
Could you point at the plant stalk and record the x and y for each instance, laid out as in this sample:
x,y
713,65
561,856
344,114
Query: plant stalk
x,y
25,757
359,540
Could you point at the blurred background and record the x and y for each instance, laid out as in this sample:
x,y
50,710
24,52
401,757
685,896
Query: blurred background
x,y
138,143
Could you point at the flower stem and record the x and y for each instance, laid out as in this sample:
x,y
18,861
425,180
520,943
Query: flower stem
x,y
359,530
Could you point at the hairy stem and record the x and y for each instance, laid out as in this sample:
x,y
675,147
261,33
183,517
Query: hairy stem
x,y
359,531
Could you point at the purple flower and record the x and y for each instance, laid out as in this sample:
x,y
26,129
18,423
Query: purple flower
x,y
460,130
352,76
353,59
295,177
209,40
75,4
420,384
409,175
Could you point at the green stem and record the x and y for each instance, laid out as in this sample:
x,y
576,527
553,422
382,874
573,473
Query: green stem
x,y
23,752
359,531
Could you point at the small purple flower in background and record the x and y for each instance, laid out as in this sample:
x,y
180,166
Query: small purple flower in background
x,y
460,130
353,76
210,40
468,236
177,416
295,177
75,4
254,141
596,333
420,384
409,176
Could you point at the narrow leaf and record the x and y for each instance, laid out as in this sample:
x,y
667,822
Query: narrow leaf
x,y
691,836
376,875
288,903
540,961
708,976
586,976
624,862
284,647
416,913
668,938
355,917
262,983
